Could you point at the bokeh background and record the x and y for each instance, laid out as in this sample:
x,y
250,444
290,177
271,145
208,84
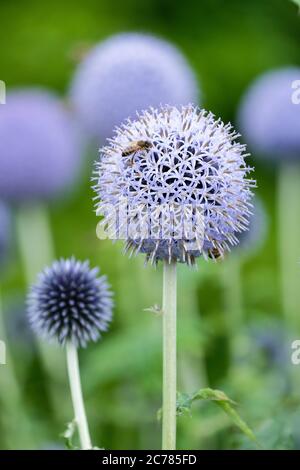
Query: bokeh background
x,y
232,334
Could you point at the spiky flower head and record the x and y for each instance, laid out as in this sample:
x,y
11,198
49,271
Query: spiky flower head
x,y
40,147
70,303
269,114
127,73
173,184
5,231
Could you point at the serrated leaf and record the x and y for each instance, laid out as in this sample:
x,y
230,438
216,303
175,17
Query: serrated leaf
x,y
185,401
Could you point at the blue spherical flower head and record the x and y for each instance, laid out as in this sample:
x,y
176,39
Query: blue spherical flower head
x,y
70,303
128,73
5,232
252,240
40,148
173,184
269,115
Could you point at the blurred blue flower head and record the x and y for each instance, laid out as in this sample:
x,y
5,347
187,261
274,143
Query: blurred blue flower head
x,y
269,115
183,178
70,303
252,240
128,73
5,232
40,147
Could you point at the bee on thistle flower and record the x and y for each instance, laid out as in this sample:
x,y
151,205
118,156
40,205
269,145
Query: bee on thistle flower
x,y
190,184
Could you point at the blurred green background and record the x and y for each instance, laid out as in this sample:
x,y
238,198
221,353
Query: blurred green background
x,y
225,310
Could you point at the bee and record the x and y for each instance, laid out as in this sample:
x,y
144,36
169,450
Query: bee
x,y
136,146
214,253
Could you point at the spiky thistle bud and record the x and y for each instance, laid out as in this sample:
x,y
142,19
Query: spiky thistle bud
x,y
173,184
70,303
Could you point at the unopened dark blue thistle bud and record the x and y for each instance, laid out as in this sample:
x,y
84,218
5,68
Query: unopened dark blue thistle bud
x,y
179,179
70,303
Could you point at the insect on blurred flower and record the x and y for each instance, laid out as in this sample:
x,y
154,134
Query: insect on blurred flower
x,y
128,73
40,147
70,303
188,189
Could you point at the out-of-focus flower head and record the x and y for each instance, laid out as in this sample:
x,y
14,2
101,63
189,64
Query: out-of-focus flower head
x,y
128,73
70,303
269,115
252,240
173,183
5,231
18,330
40,146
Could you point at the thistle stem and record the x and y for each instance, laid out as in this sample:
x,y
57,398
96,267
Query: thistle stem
x,y
289,234
233,299
14,413
36,251
77,398
169,357
34,239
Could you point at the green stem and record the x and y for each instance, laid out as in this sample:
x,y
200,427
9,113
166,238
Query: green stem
x,y
233,292
77,399
34,239
14,413
169,357
289,235
36,251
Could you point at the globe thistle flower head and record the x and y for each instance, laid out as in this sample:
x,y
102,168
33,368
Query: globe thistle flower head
x,y
128,73
269,117
70,303
40,147
173,184
5,232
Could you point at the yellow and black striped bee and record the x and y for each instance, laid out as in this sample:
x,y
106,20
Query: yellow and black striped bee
x,y
136,146
214,253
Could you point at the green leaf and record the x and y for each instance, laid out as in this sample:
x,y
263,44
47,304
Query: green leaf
x,y
68,435
185,401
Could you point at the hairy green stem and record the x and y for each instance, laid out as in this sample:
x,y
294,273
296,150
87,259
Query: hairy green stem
x,y
77,399
169,357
